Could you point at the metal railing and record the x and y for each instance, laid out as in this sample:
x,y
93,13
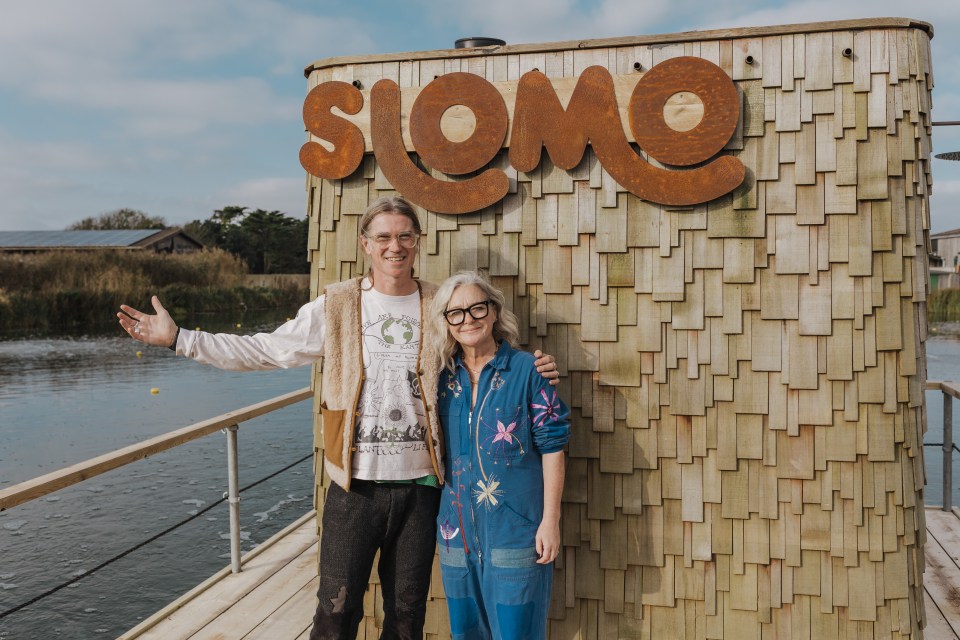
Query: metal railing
x,y
228,422
950,390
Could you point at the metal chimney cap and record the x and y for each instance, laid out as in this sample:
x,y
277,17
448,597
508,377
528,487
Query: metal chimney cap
x,y
479,41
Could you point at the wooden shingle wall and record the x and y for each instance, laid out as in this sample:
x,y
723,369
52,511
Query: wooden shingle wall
x,y
746,377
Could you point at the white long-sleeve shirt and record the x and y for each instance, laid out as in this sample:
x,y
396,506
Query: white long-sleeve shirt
x,y
295,343
390,429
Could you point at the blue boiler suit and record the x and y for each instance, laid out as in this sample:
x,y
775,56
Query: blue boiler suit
x,y
492,502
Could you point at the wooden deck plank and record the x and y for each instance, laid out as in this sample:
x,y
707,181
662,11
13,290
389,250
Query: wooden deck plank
x,y
244,615
945,527
941,579
937,626
192,611
191,619
293,619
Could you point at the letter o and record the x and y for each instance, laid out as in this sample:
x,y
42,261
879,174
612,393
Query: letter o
x,y
721,103
478,95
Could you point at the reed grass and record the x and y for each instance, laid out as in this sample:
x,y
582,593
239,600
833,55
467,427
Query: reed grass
x,y
943,305
74,290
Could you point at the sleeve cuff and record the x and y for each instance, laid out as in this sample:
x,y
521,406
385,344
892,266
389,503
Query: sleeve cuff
x,y
173,345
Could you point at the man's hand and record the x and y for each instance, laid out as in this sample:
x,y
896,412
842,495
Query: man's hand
x,y
158,329
547,366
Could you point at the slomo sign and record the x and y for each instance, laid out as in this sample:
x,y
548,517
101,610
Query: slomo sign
x,y
539,121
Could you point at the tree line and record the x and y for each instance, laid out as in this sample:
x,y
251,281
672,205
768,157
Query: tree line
x,y
266,241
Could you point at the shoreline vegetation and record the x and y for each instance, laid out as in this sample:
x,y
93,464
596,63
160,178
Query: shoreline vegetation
x,y
943,305
75,290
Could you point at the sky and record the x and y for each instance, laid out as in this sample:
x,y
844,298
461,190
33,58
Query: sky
x,y
181,107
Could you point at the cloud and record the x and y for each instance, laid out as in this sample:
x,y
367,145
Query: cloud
x,y
515,22
181,107
159,108
127,38
171,68
40,179
272,194
49,186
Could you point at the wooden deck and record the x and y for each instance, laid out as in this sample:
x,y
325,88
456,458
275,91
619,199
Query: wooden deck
x,y
275,595
941,579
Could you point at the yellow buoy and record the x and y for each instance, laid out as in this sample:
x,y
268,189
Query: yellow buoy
x,y
239,325
155,391
197,329
139,354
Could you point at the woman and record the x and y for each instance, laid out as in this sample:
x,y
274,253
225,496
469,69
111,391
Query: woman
x,y
381,438
505,430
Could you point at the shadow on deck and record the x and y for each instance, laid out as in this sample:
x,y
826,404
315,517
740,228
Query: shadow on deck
x,y
275,595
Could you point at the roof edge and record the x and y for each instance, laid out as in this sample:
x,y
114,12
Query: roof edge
x,y
622,41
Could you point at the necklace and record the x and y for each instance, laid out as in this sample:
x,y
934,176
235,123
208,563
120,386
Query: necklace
x,y
474,374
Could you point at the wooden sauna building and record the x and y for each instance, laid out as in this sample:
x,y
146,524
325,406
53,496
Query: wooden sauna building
x,y
723,238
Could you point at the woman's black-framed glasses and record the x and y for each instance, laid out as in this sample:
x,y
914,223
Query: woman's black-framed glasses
x,y
477,311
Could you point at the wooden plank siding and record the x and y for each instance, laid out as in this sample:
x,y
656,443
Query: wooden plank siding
x,y
743,375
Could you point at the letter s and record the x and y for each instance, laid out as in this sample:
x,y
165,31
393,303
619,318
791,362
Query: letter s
x,y
345,137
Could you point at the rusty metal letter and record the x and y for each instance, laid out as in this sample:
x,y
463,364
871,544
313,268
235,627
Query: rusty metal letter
x,y
721,110
489,110
463,196
539,120
593,115
345,137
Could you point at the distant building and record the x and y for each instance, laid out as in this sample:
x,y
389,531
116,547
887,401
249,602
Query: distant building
x,y
945,249
945,260
172,240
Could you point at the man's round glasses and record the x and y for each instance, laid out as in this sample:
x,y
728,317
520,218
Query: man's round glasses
x,y
406,239
477,311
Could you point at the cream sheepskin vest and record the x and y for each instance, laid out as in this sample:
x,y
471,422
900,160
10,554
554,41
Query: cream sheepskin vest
x,y
342,378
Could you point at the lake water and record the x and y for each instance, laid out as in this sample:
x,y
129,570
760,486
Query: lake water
x,y
66,400
63,401
943,363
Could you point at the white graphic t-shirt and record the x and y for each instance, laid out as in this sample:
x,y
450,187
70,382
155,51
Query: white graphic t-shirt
x,y
391,430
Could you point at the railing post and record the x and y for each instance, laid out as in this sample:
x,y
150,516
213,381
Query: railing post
x,y
947,452
233,497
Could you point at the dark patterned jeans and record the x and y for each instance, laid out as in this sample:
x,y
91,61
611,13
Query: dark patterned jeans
x,y
399,520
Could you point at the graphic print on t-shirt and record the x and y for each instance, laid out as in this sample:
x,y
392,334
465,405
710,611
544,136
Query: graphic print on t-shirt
x,y
392,420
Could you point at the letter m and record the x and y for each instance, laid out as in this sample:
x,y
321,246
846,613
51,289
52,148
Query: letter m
x,y
539,119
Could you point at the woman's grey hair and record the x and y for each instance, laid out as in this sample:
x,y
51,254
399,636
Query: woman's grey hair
x,y
506,326
388,204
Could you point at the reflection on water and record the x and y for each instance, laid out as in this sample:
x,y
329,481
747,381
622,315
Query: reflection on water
x,y
66,400
62,364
